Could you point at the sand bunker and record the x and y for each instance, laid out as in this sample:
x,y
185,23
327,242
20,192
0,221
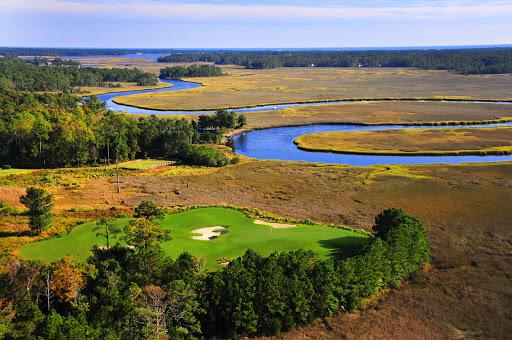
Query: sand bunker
x,y
275,225
208,233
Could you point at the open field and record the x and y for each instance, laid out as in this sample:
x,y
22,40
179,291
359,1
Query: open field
x,y
244,88
241,233
134,62
433,142
7,172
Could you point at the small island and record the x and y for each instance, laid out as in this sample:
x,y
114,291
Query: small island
x,y
412,142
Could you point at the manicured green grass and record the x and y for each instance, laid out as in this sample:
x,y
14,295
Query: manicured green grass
x,y
144,164
77,244
5,172
241,234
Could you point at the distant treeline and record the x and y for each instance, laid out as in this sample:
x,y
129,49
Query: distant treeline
x,y
465,61
80,52
43,130
57,75
191,71
140,293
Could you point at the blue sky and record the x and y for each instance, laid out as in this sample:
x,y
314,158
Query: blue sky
x,y
253,24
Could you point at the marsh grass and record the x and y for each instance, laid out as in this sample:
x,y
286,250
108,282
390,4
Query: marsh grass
x,y
294,85
420,142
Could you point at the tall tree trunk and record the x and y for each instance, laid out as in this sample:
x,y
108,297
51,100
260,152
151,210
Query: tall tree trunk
x,y
117,169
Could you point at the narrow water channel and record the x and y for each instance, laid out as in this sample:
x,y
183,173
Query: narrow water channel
x,y
277,143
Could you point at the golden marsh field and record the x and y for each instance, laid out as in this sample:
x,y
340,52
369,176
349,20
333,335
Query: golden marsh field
x,y
433,142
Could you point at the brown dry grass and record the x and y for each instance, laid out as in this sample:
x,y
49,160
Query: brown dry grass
x,y
11,195
286,85
422,141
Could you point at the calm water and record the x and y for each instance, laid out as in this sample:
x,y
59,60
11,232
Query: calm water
x,y
278,144
177,85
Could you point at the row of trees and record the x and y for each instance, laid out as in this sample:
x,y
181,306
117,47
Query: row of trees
x,y
123,293
56,75
80,52
191,71
465,61
42,130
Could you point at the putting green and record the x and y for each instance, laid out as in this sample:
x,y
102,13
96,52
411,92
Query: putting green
x,y
240,234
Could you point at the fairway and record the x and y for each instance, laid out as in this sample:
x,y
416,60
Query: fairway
x,y
145,164
240,234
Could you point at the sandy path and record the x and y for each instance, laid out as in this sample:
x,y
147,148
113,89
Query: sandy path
x,y
275,225
208,233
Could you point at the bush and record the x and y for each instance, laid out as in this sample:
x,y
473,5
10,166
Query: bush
x,y
235,160
6,166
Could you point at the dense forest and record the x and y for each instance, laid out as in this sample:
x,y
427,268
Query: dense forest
x,y
191,71
465,61
140,293
41,74
43,130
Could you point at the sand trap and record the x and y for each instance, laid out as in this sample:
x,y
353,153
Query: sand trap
x,y
208,233
275,225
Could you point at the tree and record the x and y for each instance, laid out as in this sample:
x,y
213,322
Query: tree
x,y
68,280
143,233
241,121
389,219
39,204
109,227
182,306
149,210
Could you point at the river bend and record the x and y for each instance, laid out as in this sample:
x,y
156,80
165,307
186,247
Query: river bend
x,y
277,143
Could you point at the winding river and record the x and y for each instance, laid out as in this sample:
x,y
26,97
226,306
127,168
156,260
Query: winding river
x,y
277,143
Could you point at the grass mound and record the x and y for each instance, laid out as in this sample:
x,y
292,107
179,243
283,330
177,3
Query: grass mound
x,y
240,234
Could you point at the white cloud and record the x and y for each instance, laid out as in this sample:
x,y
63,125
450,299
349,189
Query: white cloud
x,y
180,10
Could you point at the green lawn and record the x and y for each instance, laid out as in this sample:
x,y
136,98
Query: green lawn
x,y
5,172
143,164
241,234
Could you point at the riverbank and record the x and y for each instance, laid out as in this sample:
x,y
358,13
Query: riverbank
x,y
306,85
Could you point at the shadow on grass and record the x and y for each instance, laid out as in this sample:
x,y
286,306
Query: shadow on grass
x,y
15,233
344,247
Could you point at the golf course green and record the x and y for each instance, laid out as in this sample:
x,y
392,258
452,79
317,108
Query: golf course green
x,y
240,233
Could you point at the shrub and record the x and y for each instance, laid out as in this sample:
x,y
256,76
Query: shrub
x,y
6,166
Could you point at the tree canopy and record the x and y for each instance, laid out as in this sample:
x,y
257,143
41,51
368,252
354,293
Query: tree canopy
x,y
41,74
191,71
465,61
